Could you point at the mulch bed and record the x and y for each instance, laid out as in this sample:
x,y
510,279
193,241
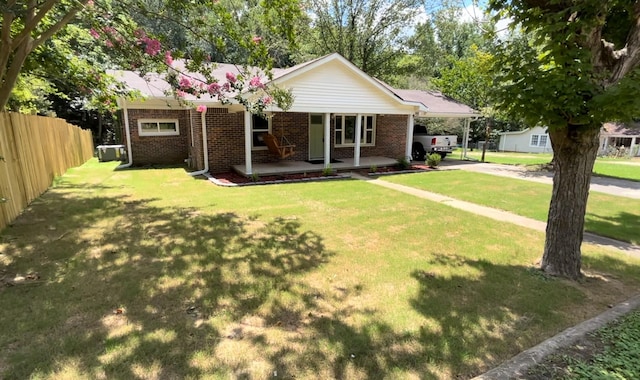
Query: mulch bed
x,y
236,179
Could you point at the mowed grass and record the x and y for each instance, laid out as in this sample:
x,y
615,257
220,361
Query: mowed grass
x,y
510,158
607,215
153,274
618,169
623,168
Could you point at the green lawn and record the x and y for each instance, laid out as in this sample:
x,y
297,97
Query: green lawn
x,y
607,215
508,158
617,170
153,274
610,167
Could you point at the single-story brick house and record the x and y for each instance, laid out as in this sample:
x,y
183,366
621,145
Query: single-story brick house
x,y
334,102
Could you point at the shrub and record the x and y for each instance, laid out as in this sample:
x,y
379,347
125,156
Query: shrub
x,y
433,160
403,163
373,169
327,171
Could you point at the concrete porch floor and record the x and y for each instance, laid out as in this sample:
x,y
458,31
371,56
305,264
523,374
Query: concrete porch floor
x,y
288,167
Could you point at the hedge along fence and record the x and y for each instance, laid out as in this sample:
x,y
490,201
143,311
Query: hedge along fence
x,y
33,151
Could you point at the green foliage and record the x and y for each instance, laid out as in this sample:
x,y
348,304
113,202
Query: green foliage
x,y
255,177
442,40
76,42
620,357
467,79
433,160
554,74
403,163
367,33
373,169
327,171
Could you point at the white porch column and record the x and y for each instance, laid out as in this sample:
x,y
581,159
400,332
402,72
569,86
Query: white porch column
x,y
409,143
632,147
327,140
247,142
356,150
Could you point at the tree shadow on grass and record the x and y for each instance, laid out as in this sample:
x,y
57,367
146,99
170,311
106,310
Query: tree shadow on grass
x,y
125,289
131,290
454,337
615,227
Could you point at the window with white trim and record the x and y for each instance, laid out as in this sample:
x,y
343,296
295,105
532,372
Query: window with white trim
x,y
345,130
158,127
259,126
538,140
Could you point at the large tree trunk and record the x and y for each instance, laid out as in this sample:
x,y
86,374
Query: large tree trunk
x,y
575,149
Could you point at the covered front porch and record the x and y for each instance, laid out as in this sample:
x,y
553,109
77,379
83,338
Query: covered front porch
x,y
289,167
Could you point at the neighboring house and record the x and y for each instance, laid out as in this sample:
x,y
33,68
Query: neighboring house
x,y
614,136
334,102
532,140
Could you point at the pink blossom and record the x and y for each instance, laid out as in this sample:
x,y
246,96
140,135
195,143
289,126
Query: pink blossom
x,y
168,59
181,94
94,33
140,34
256,82
90,3
185,83
214,88
201,108
109,43
231,78
267,100
152,46
256,39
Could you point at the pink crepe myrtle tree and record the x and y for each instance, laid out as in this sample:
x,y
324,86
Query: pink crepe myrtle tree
x,y
27,25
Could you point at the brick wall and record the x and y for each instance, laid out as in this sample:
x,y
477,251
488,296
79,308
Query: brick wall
x,y
225,137
148,150
196,158
391,134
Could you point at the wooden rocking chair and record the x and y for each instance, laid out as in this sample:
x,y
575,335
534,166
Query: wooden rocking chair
x,y
282,151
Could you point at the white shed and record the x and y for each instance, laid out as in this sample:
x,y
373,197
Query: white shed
x,y
532,140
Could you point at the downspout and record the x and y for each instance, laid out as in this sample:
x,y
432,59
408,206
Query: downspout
x,y
127,131
205,148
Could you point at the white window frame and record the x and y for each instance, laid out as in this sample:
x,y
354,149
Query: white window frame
x,y
253,131
158,132
538,138
363,132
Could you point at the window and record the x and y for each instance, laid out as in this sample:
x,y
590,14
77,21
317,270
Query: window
x,y
158,127
345,131
259,126
539,140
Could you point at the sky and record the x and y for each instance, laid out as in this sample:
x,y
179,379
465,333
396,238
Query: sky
x,y
472,11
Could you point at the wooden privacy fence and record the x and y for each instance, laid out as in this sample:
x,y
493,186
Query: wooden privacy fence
x,y
33,151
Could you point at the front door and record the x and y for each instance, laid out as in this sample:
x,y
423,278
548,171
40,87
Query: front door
x,y
316,137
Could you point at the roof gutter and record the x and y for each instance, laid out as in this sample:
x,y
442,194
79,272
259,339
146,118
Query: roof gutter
x,y
205,148
127,129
